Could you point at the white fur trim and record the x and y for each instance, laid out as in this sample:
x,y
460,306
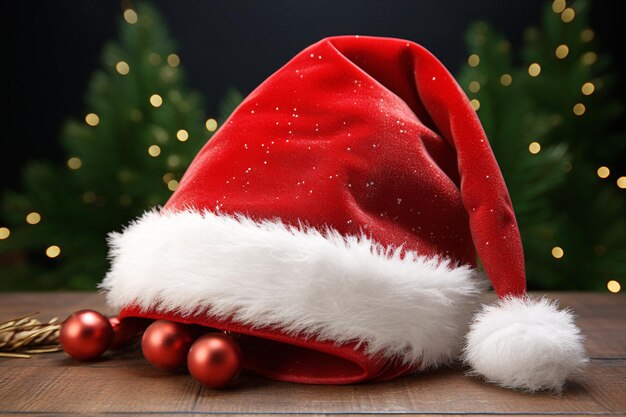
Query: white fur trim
x,y
304,281
525,343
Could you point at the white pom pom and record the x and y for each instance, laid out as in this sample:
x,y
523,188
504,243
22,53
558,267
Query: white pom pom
x,y
525,344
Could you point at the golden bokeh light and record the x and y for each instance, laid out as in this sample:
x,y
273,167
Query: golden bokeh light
x,y
621,182
579,109
53,251
473,60
182,135
557,252
211,125
173,161
33,217
156,100
122,68
603,172
558,6
173,60
475,104
130,16
474,86
5,232
534,148
172,185
92,119
506,80
534,69
613,286
154,151
589,58
561,51
568,15
587,35
74,163
154,58
588,88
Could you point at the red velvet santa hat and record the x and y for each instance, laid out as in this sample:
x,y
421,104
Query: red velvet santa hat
x,y
333,222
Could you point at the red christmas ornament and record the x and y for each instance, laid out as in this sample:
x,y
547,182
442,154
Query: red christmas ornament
x,y
214,360
85,335
125,331
165,344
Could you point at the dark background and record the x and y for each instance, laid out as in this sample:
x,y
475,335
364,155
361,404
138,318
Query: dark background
x,y
51,48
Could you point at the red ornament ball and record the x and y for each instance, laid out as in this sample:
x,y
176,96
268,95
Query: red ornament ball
x,y
214,360
165,344
85,335
125,331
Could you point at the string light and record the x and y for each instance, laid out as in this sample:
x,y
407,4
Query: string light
x,y
534,148
182,135
92,119
534,69
473,60
130,16
172,185
173,161
588,88
557,252
74,163
558,6
474,86
579,109
621,182
154,151
506,80
475,104
568,15
173,60
156,100
5,232
53,251
561,51
168,177
587,35
33,217
603,172
122,67
589,58
211,125
613,286
154,58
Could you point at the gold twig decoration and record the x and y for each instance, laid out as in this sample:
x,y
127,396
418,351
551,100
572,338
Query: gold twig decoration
x,y
26,335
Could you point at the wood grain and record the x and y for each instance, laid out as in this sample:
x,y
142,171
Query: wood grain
x,y
124,384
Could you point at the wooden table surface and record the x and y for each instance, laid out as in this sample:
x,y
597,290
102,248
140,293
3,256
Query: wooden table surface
x,y
125,384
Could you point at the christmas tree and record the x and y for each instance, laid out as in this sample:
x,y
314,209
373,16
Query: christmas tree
x,y
550,120
141,130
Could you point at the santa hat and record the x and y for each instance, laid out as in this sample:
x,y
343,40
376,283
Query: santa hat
x,y
333,223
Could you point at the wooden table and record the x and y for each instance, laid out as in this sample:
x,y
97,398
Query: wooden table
x,y
126,384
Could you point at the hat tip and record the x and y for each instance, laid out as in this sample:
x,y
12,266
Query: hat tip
x,y
524,343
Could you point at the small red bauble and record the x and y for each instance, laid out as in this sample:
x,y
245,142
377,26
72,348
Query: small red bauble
x,y
165,344
214,360
125,331
85,335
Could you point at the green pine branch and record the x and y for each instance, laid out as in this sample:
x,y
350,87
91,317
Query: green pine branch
x,y
142,129
557,102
